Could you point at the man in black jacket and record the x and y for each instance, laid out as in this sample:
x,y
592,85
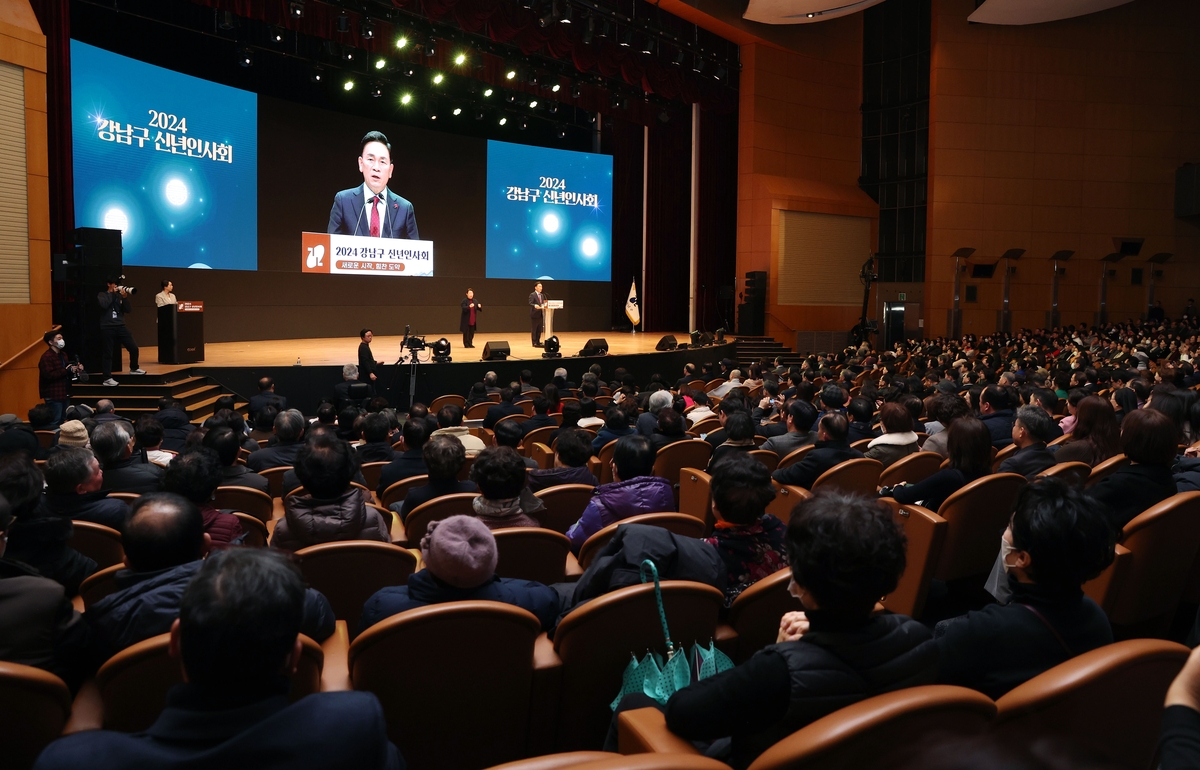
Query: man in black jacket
x,y
444,457
114,304
409,462
831,448
367,365
265,397
289,429
165,544
113,444
541,415
377,449
237,636
225,443
73,489
1029,434
502,409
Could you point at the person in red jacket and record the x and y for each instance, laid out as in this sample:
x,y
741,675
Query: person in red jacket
x,y
54,376
196,475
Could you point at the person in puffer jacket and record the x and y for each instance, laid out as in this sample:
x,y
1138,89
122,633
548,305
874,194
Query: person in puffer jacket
x,y
845,552
632,492
329,509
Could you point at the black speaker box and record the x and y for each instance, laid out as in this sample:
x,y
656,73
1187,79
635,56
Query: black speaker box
x,y
99,258
597,346
1187,191
496,351
667,343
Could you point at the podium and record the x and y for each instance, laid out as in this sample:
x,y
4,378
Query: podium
x,y
181,333
548,316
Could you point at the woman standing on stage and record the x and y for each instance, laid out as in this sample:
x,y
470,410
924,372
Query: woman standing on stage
x,y
470,311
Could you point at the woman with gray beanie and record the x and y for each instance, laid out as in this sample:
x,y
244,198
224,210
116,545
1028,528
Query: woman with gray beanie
x,y
460,565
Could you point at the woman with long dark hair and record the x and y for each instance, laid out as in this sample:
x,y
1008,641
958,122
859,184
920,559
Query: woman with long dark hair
x,y
1097,435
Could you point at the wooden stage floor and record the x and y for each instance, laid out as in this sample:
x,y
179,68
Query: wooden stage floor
x,y
337,351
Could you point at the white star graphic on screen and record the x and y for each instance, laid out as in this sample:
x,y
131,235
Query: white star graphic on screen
x,y
177,192
115,219
550,223
590,247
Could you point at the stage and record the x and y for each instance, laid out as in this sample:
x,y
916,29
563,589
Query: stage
x,y
239,365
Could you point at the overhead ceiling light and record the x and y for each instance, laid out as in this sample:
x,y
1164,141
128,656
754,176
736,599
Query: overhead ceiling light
x,y
625,39
698,64
510,97
366,29
431,46
277,34
406,99
317,74
380,63
377,90
343,22
296,9
503,121
401,41
566,13
348,53
460,59
458,110
431,110
246,57
648,45
479,114
680,57
532,103
721,73
576,91
348,85
552,107
561,132
524,124
438,78
488,92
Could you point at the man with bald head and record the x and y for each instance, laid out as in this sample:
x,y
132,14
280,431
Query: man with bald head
x,y
165,545
106,411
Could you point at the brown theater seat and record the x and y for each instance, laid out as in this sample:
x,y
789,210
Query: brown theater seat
x,y
975,516
1074,474
348,573
754,615
859,475
397,491
912,469
564,505
255,502
926,534
679,523
600,760
532,553
34,707
435,510
98,542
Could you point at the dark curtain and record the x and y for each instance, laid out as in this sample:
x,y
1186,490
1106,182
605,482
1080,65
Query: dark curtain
x,y
717,242
625,141
665,301
55,19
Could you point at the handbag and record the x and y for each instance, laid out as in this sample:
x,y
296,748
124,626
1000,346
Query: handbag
x,y
659,679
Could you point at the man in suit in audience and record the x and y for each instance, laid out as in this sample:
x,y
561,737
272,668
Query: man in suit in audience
x,y
444,457
289,430
233,474
832,447
1029,432
799,417
377,448
113,444
236,632
541,415
502,409
165,545
266,396
409,462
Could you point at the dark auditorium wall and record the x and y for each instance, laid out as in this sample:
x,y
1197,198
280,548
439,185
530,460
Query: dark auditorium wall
x,y
1062,136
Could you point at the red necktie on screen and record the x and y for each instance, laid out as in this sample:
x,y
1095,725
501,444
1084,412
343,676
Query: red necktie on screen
x,y
375,217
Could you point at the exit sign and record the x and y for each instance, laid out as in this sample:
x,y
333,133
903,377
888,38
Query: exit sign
x,y
903,296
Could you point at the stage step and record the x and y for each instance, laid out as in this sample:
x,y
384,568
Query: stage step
x,y
751,350
138,394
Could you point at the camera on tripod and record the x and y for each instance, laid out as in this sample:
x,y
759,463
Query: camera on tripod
x,y
415,343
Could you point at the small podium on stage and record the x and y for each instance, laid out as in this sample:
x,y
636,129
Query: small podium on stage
x,y
181,333
548,315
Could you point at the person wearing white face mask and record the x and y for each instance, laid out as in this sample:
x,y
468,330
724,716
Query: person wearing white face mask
x,y
55,375
1058,539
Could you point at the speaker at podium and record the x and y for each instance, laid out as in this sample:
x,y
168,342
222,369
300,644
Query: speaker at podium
x,y
181,333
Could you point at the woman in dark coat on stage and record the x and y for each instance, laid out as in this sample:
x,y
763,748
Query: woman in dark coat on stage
x,y
470,311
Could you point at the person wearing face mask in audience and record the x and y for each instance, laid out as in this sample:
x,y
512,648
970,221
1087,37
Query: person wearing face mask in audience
x,y
55,375
1058,539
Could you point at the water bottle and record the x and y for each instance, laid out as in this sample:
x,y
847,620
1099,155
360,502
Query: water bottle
x,y
297,360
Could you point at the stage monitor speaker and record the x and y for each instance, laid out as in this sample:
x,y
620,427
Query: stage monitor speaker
x,y
667,343
597,346
496,351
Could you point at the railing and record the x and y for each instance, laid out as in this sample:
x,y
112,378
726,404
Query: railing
x,y
26,349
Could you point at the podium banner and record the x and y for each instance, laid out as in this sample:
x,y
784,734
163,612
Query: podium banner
x,y
363,255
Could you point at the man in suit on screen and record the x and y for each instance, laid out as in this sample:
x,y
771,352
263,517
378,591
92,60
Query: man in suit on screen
x,y
372,209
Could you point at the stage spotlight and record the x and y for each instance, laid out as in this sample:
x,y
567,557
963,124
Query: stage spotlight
x,y
296,9
401,41
550,16
461,59
555,88
524,124
225,19
552,108
680,57
317,74
277,34
664,116
458,110
698,64
406,99
366,29
510,97
533,104
376,90
441,351
488,92
348,53
510,73
407,70
380,63
720,333
348,85
550,348
438,78
431,46
479,114
431,110
246,57
561,132
615,100
602,28
625,39
696,338
721,73
566,13
343,22
576,91
589,29
648,45
503,121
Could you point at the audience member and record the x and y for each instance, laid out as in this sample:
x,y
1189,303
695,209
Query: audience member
x,y
1096,435
73,489
225,443
633,491
739,437
845,552
444,458
409,462
73,433
289,432
509,433
502,409
1029,435
459,554
571,454
37,536
196,475
113,444
449,420
970,450
898,440
799,417
265,397
1057,540
503,499
329,508
616,425
165,545
541,415
172,416
832,448
670,428
995,410
749,540
237,637
376,449
148,441
1148,439
946,408
38,625
264,425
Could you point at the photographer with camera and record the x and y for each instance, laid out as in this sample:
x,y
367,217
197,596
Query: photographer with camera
x,y
114,304
55,375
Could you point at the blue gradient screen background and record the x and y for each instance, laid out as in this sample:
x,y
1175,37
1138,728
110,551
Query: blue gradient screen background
x,y
175,195
549,213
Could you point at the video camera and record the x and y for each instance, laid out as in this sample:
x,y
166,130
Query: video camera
x,y
130,290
